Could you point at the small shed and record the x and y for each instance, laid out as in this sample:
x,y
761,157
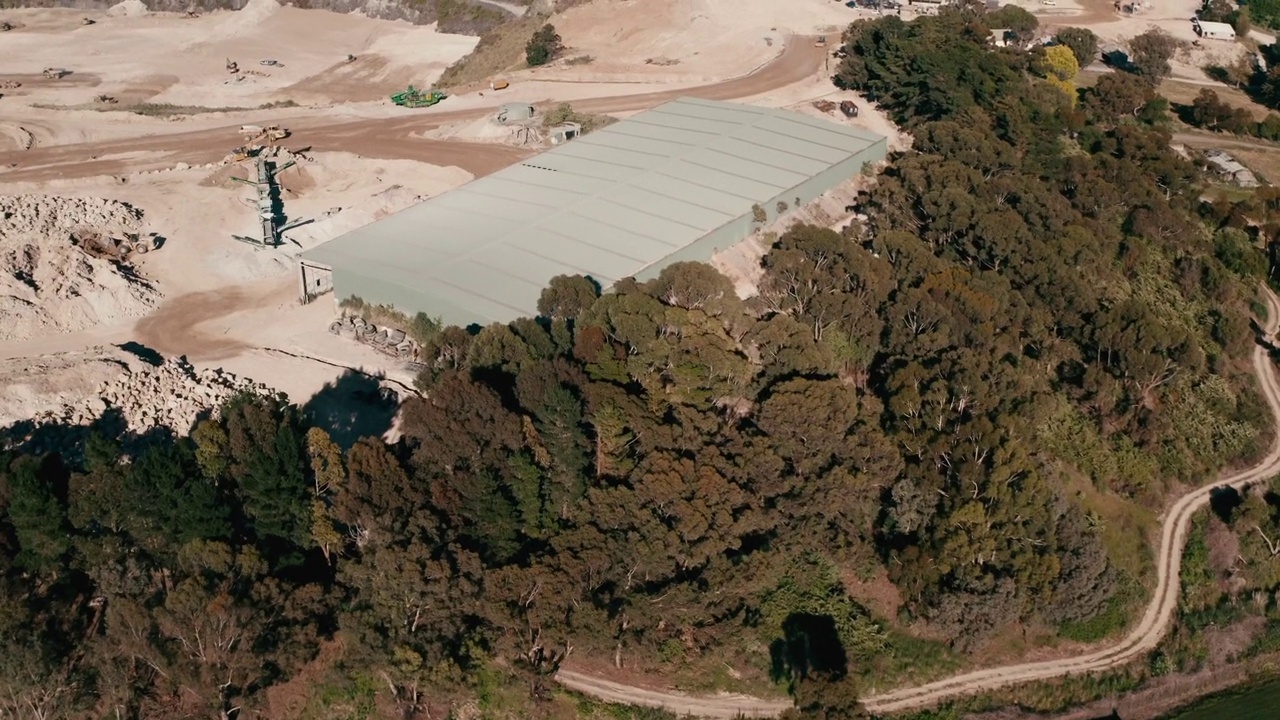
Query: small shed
x,y
515,112
1215,30
1231,169
565,132
1002,37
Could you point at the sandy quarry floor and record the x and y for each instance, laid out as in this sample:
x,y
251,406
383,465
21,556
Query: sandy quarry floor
x,y
261,332
683,40
131,55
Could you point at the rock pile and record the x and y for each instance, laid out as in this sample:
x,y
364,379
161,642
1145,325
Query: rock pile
x,y
172,395
49,285
30,386
51,215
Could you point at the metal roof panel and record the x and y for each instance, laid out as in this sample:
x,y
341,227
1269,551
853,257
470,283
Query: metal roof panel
x,y
605,205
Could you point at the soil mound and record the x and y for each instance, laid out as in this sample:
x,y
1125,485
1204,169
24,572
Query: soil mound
x,y
47,285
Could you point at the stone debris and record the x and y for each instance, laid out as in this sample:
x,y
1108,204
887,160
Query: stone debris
x,y
49,285
52,214
33,385
173,395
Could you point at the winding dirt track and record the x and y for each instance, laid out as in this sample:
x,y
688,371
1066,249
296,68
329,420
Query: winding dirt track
x,y
1142,639
385,138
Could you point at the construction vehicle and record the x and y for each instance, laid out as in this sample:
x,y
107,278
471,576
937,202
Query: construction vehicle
x,y
192,14
254,134
351,58
105,99
415,98
232,67
244,152
271,63
6,26
88,21
10,84
98,244
56,73
821,42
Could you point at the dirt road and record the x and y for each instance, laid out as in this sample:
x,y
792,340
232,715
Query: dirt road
x,y
1142,639
200,325
1221,140
723,705
386,138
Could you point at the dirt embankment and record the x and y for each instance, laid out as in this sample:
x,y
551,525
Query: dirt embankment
x,y
464,17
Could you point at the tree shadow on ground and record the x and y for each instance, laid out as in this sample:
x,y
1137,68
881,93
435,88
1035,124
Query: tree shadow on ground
x,y
353,406
69,441
1223,500
810,645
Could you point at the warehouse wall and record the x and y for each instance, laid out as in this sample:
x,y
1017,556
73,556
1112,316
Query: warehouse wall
x,y
740,228
409,301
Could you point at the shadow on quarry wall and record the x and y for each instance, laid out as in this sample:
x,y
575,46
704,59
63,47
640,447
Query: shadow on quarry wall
x,y
464,17
351,407
143,353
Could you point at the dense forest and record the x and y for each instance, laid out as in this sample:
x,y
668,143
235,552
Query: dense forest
x,y
1037,329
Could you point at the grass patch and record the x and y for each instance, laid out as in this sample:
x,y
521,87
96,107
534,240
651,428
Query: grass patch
x,y
420,327
1113,618
1230,193
593,709
564,112
499,50
909,658
167,109
460,16
1184,93
1043,697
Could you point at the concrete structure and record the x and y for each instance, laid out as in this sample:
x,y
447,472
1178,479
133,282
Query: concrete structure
x,y
515,113
677,182
564,132
1215,30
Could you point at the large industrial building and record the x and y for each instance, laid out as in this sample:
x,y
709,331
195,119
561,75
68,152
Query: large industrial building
x,y
677,182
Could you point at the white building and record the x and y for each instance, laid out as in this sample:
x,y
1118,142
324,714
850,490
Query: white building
x,y
1215,30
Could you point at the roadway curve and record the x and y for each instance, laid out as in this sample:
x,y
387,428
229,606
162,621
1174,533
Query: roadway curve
x,y
1142,639
381,138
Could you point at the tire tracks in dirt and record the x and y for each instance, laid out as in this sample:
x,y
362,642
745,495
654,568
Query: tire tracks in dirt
x,y
1143,638
384,138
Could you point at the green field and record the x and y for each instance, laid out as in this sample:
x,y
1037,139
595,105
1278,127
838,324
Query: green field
x,y
1261,702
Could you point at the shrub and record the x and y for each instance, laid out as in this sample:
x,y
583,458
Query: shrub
x,y
543,47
